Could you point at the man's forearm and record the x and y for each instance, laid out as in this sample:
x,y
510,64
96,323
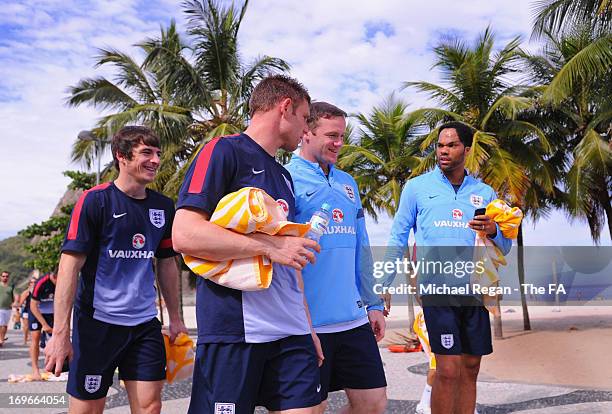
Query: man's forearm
x,y
65,289
194,235
300,280
168,277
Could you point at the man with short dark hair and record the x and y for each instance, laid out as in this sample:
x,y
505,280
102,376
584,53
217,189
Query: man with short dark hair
x,y
8,299
438,206
254,347
346,313
117,233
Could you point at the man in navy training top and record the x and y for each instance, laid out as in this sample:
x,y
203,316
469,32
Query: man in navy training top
x,y
346,313
41,321
116,231
257,347
439,206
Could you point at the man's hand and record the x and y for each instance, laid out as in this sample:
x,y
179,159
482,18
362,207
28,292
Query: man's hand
x,y
377,322
58,350
318,348
485,224
47,329
176,327
387,298
292,251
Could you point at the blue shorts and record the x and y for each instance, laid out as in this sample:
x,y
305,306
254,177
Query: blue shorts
x,y
100,347
237,377
37,326
457,327
352,360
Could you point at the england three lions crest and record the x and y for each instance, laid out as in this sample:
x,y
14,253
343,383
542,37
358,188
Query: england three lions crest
x,y
92,383
157,217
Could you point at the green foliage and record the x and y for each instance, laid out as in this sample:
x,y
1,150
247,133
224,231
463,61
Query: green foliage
x,y
477,90
13,258
188,89
47,237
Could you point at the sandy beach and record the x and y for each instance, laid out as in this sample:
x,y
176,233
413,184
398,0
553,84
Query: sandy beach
x,y
570,347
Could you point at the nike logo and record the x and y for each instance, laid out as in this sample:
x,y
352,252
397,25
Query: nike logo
x,y
118,215
310,193
433,196
257,172
318,387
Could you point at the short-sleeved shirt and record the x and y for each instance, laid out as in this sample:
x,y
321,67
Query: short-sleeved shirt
x,y
7,296
225,315
120,236
44,292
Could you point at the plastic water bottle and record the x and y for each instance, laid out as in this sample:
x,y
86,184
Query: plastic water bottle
x,y
318,223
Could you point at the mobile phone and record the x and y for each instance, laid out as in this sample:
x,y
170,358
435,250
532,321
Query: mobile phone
x,y
480,212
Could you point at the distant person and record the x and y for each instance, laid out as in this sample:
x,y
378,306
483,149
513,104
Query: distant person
x,y
41,317
346,313
8,300
118,232
24,305
439,206
254,347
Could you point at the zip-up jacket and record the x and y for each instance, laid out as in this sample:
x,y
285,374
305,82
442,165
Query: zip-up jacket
x,y
439,216
339,286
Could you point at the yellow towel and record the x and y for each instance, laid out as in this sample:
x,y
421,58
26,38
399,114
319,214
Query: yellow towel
x,y
246,211
421,331
508,219
179,357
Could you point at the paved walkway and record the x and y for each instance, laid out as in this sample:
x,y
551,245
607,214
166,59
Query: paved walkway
x,y
405,375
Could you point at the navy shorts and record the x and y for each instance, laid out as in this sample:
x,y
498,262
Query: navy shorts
x,y
457,327
352,360
37,326
237,377
100,347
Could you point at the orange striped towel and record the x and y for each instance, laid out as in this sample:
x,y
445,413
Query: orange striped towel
x,y
508,219
246,211
180,357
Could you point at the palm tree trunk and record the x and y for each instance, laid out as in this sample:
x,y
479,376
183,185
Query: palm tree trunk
x,y
498,332
410,308
521,277
607,205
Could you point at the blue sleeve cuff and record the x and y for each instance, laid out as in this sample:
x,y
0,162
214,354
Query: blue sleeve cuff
x,y
375,307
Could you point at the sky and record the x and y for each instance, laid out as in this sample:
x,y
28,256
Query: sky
x,y
351,53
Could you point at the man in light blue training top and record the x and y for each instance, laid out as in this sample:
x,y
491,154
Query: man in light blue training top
x,y
440,207
346,313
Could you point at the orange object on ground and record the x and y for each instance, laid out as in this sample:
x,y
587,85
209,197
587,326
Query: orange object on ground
x,y
404,348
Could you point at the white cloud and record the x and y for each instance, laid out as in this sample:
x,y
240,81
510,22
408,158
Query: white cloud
x,y
333,47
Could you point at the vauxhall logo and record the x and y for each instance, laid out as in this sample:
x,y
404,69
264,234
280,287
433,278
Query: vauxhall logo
x,y
340,230
131,254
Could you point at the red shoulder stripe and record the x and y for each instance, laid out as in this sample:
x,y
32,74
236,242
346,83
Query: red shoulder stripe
x,y
73,229
166,243
39,284
199,172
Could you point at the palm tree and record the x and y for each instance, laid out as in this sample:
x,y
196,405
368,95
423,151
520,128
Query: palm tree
x,y
584,123
187,92
556,16
509,152
381,158
565,18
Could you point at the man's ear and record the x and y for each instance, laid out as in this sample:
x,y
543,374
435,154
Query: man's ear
x,y
286,105
467,150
